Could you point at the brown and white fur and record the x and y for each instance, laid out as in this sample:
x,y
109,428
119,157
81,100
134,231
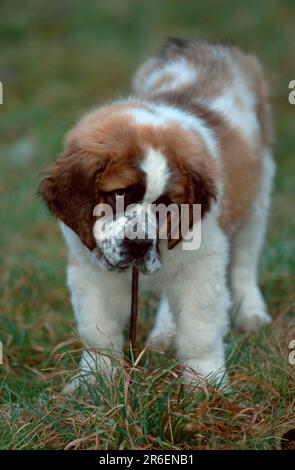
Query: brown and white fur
x,y
197,129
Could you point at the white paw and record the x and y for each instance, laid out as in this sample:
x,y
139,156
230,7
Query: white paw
x,y
198,372
251,319
91,366
78,382
250,312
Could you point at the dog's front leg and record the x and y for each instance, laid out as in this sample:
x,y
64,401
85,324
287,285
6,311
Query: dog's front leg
x,y
101,305
202,299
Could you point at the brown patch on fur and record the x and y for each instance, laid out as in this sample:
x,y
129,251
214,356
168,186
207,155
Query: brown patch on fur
x,y
259,87
241,167
213,74
216,65
68,188
241,175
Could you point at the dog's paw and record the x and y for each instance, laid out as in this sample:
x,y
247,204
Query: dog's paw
x,y
201,373
249,309
78,382
251,319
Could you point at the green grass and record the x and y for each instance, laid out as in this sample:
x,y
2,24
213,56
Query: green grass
x,y
59,59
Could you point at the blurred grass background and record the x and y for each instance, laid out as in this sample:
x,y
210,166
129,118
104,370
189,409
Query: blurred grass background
x,y
58,59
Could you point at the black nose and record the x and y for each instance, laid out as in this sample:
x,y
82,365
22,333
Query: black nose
x,y
137,247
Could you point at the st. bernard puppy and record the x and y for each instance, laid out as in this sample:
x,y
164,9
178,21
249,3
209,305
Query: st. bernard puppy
x,y
196,130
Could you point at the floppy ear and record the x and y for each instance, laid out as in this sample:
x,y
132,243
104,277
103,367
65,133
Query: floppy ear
x,y
202,190
203,187
68,189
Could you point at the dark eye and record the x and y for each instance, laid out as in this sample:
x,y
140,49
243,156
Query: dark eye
x,y
120,192
132,195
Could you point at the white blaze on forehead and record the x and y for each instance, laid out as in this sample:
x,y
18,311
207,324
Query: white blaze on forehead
x,y
157,173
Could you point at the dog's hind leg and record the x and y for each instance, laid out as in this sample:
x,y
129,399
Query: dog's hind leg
x,y
249,309
164,329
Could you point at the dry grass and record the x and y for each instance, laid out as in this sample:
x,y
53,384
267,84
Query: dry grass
x,y
147,406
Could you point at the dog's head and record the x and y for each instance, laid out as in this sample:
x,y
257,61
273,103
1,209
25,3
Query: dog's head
x,y
113,159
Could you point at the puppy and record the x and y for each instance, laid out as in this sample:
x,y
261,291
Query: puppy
x,y
196,131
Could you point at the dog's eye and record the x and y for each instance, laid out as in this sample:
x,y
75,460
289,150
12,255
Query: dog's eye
x,y
132,195
126,192
117,195
120,192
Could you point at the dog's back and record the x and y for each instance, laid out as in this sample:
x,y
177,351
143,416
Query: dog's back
x,y
225,89
207,73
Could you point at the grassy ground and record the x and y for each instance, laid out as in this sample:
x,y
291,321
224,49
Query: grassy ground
x,y
57,60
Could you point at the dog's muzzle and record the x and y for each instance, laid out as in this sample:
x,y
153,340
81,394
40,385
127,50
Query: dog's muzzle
x,y
128,239
137,248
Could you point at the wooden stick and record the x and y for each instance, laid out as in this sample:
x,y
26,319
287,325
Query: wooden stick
x,y
133,316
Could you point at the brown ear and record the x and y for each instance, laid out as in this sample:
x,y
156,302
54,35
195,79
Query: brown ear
x,y
202,190
203,187
68,189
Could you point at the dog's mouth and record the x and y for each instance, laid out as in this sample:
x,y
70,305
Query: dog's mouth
x,y
105,264
147,264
